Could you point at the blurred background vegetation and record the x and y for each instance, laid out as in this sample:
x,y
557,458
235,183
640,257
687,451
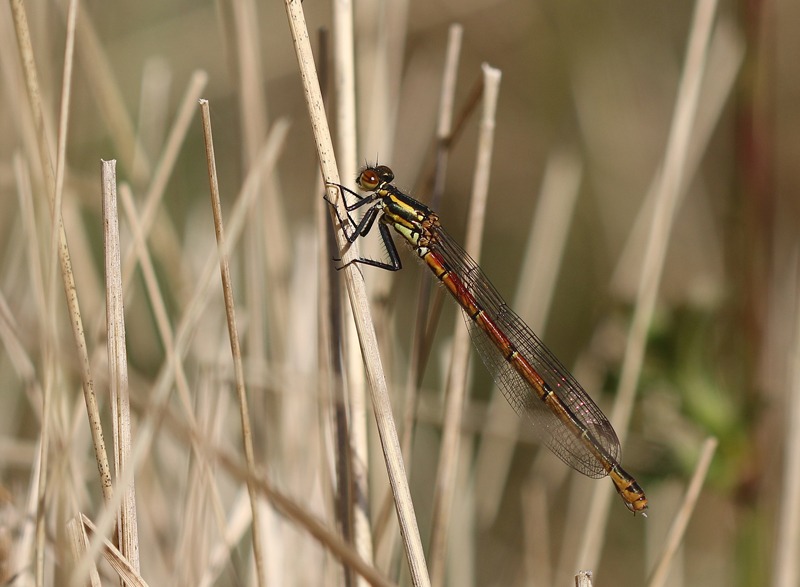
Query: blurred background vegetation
x,y
587,85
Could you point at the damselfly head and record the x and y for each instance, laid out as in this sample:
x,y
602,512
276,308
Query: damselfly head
x,y
370,178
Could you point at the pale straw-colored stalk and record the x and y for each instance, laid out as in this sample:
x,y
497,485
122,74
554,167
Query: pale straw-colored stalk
x,y
344,87
663,216
127,526
444,127
79,542
584,579
444,491
658,576
535,288
536,534
359,303
126,570
227,288
786,565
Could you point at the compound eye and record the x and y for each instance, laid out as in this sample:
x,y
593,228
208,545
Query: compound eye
x,y
387,175
368,179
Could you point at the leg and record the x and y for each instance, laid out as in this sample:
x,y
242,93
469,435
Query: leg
x,y
362,201
391,249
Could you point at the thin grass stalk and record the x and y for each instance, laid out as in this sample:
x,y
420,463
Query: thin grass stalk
x,y
61,151
118,365
52,338
173,359
128,574
165,165
34,98
786,567
359,303
429,180
416,366
267,234
332,359
21,361
338,481
252,109
444,491
584,579
725,56
36,273
241,208
233,332
238,522
540,268
378,105
346,136
79,541
658,576
663,216
331,353
536,534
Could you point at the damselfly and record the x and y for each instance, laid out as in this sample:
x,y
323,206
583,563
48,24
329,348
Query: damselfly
x,y
533,381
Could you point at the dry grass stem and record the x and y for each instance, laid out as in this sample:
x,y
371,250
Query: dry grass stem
x,y
252,107
346,138
166,164
676,532
663,216
536,534
444,491
786,566
124,568
444,125
267,254
227,288
241,208
359,303
79,541
584,579
540,267
164,327
23,365
416,366
34,98
118,364
61,151
725,56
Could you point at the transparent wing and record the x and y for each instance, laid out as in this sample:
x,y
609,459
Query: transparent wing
x,y
523,398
